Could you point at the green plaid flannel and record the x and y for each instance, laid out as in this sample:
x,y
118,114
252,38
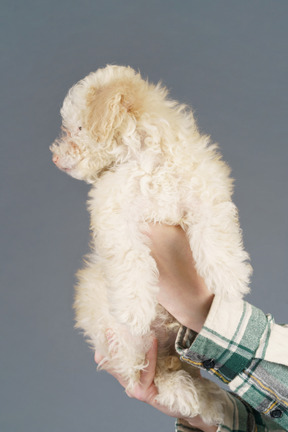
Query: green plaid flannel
x,y
245,349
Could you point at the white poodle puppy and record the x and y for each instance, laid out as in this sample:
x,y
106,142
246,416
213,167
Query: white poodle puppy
x,y
147,162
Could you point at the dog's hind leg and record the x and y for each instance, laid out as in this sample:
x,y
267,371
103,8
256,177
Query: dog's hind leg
x,y
188,393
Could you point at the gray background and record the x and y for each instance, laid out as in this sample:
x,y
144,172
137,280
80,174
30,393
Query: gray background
x,y
226,58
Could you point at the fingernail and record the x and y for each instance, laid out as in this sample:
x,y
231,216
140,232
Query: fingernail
x,y
97,358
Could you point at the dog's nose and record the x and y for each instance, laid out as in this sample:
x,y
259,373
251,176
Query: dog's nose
x,y
55,159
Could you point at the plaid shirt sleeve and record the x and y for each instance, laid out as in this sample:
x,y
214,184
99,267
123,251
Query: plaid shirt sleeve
x,y
245,349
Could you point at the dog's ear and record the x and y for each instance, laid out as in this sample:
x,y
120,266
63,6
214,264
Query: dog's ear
x,y
107,108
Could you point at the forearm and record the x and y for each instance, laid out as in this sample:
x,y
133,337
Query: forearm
x,y
182,291
233,340
235,346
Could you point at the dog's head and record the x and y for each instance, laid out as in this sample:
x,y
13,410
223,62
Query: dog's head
x,y
107,118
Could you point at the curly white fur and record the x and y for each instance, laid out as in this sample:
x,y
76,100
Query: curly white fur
x,y
147,162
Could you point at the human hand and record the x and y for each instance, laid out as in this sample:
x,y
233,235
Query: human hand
x,y
182,291
146,390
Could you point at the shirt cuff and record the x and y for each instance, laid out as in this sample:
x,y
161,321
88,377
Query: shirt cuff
x,y
228,341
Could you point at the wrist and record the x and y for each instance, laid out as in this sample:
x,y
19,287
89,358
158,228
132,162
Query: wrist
x,y
194,317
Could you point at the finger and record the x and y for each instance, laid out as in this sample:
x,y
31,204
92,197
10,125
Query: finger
x,y
98,358
112,342
119,378
110,339
148,374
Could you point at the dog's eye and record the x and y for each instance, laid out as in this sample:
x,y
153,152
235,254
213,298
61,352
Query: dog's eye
x,y
80,127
